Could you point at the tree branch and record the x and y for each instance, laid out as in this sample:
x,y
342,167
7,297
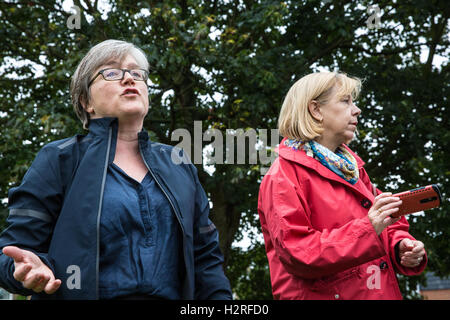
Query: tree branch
x,y
32,3
325,51
438,31
384,52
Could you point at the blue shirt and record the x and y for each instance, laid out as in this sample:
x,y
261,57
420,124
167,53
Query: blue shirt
x,y
140,250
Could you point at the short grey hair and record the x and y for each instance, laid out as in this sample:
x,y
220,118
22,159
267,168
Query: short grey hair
x,y
94,59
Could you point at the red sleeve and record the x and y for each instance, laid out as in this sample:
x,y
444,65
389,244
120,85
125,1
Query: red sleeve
x,y
304,251
396,233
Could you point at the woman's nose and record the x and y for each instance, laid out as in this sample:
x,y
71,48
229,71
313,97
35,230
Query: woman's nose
x,y
127,78
356,110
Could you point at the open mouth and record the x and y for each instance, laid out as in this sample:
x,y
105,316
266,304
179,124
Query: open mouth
x,y
130,91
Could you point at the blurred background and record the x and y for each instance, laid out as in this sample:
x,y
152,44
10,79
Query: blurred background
x,y
229,64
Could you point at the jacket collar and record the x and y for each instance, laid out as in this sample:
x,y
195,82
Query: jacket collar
x,y
101,127
300,157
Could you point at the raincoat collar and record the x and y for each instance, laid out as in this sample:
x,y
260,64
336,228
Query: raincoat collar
x,y
300,157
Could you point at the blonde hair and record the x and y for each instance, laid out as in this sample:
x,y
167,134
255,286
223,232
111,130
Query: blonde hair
x,y
295,120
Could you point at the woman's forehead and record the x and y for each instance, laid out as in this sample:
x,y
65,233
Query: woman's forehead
x,y
344,89
126,61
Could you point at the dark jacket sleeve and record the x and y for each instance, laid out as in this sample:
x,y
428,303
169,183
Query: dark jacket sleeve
x,y
33,208
210,280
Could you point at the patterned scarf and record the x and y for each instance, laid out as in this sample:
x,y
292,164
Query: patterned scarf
x,y
342,162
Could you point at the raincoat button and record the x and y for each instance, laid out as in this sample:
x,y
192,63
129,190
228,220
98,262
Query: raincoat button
x,y
336,296
365,203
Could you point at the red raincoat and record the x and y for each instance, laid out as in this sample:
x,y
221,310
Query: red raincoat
x,y
319,240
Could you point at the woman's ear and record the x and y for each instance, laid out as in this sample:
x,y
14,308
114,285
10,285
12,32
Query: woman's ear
x,y
314,110
89,109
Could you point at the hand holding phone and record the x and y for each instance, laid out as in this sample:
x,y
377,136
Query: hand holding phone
x,y
419,199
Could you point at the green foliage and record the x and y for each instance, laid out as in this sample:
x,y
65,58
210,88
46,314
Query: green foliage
x,y
249,272
229,64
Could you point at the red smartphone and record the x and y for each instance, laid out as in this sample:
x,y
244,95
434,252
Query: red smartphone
x,y
418,199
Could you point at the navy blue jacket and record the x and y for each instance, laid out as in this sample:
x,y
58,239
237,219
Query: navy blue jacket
x,y
55,212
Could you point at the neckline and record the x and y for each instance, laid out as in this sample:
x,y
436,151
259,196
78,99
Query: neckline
x,y
122,172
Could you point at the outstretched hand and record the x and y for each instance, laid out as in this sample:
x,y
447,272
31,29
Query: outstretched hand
x,y
31,271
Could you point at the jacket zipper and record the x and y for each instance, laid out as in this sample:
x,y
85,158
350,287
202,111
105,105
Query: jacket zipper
x,y
164,191
102,189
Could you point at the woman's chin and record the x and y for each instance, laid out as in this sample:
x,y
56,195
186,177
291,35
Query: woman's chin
x,y
349,138
133,110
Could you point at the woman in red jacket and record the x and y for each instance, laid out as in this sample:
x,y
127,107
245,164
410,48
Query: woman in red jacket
x,y
327,231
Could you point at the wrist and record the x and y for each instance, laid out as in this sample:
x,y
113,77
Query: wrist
x,y
397,252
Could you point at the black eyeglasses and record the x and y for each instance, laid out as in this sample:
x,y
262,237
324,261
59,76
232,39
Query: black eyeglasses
x,y
113,74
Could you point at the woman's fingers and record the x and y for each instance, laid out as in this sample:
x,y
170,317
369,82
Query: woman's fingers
x,y
389,208
14,252
21,271
413,257
32,281
41,284
380,201
387,203
411,261
391,205
382,195
419,246
31,272
385,213
384,206
52,286
32,277
389,220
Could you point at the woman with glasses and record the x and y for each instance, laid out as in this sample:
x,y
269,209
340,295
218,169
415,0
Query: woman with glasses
x,y
110,215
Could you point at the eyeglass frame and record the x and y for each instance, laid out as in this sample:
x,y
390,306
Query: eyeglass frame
x,y
120,79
